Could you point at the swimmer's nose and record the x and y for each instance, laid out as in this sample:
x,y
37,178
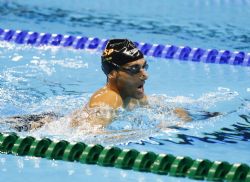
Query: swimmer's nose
x,y
144,74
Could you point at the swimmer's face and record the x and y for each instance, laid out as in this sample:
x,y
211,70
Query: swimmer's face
x,y
131,78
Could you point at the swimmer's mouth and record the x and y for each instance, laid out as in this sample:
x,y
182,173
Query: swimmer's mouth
x,y
140,88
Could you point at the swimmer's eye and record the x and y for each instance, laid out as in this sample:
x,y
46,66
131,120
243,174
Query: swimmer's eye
x,y
135,69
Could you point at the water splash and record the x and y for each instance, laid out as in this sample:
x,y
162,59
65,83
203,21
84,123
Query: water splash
x,y
132,126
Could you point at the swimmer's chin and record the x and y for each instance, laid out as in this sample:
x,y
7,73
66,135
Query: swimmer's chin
x,y
138,96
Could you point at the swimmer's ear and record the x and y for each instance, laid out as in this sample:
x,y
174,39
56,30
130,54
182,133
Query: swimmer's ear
x,y
112,74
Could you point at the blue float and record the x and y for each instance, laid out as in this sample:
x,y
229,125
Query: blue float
x,y
155,50
171,51
146,48
211,57
8,35
20,37
45,39
158,51
185,53
94,43
81,43
198,54
32,38
69,41
225,57
239,58
57,40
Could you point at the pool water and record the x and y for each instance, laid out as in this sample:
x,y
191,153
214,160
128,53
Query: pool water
x,y
48,79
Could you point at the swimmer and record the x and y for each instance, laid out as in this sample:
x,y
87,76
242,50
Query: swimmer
x,y
125,68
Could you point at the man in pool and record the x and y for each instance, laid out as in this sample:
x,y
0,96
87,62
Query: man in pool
x,y
125,68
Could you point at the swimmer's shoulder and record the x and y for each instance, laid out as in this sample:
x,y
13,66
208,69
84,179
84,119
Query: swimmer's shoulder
x,y
105,96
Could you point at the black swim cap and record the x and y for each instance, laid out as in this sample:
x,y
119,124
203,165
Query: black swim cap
x,y
119,52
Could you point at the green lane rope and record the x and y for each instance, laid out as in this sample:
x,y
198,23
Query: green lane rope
x,y
164,164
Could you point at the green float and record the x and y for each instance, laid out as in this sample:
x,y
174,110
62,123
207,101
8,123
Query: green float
x,y
126,159
238,172
22,146
108,156
56,150
162,164
74,151
144,161
7,142
180,166
39,147
199,169
218,171
91,154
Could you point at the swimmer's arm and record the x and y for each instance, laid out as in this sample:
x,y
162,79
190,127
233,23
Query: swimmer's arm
x,y
105,109
182,114
76,118
101,109
101,117
94,116
179,112
105,97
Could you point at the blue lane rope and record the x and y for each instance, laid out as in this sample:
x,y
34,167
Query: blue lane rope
x,y
183,53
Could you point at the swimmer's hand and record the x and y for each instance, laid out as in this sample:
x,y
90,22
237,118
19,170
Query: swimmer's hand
x,y
182,114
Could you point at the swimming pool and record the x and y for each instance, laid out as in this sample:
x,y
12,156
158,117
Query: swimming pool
x,y
44,79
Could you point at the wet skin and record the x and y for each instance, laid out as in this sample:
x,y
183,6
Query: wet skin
x,y
122,88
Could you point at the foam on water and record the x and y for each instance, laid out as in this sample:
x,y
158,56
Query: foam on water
x,y
128,126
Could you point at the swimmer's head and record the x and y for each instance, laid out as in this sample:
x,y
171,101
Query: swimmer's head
x,y
117,53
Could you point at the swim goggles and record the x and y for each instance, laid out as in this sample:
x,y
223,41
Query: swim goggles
x,y
133,70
